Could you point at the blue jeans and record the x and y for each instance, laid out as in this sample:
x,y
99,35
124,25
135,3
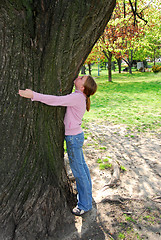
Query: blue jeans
x,y
80,170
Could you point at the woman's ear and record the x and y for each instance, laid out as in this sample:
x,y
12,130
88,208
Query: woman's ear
x,y
82,88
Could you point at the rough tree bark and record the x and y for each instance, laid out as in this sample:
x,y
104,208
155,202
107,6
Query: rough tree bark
x,y
43,44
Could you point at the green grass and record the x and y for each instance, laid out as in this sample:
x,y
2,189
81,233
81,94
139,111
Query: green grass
x,y
129,218
103,164
122,168
133,100
121,236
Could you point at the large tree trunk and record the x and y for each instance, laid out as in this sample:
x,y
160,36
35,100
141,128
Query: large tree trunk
x,y
43,45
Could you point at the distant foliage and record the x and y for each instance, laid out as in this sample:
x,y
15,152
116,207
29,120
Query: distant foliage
x,y
156,69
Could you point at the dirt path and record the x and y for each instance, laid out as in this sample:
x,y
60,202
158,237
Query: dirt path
x,y
131,209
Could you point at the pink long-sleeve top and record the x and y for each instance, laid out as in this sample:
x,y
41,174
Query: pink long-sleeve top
x,y
76,107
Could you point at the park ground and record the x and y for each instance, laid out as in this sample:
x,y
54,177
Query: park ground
x,y
131,208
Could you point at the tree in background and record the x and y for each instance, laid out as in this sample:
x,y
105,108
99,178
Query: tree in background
x,y
92,57
131,20
43,45
150,44
95,56
119,39
128,42
124,33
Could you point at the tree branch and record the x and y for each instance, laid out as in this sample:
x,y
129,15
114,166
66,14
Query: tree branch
x,y
135,13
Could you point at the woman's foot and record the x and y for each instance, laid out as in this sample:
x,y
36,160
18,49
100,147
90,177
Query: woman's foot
x,y
77,211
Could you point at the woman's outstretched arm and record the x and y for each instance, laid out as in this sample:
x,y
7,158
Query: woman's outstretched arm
x,y
52,100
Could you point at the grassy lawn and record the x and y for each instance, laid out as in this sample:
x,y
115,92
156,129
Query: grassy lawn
x,y
134,100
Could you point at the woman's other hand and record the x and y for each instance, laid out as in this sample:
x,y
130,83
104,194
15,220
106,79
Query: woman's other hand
x,y
26,93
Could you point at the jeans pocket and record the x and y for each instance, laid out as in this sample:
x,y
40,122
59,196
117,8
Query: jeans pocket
x,y
69,141
79,139
75,141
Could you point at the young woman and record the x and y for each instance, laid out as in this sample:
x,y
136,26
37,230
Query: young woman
x,y
77,103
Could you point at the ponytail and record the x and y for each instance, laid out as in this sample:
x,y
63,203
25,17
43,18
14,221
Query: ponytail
x,y
90,88
88,103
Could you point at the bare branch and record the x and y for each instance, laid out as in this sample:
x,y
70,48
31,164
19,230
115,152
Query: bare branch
x,y
138,14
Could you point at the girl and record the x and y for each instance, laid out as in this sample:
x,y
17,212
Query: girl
x,y
77,103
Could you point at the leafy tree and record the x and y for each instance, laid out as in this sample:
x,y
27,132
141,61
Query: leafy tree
x,y
150,46
123,32
130,31
120,37
43,45
128,43
133,33
93,57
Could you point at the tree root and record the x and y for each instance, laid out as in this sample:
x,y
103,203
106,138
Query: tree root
x,y
157,199
115,178
115,199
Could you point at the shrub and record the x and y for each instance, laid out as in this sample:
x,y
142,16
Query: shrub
x,y
156,69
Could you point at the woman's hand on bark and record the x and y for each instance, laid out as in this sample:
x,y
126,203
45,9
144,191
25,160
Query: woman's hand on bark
x,y
26,93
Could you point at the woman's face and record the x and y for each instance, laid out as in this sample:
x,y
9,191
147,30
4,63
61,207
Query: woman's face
x,y
79,83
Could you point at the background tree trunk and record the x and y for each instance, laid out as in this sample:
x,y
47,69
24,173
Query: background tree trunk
x,y
119,64
130,61
109,66
108,55
89,69
154,56
43,45
83,69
